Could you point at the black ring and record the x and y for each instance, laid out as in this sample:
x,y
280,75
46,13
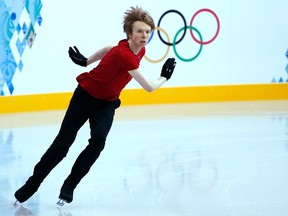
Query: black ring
x,y
185,25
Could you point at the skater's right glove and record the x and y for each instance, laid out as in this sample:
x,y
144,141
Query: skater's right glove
x,y
168,68
77,57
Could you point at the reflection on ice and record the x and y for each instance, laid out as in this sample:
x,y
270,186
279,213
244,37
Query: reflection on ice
x,y
217,165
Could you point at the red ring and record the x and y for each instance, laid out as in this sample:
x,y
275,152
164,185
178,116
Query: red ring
x,y
218,26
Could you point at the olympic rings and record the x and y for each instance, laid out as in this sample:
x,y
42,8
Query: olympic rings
x,y
168,47
183,18
174,44
184,29
218,26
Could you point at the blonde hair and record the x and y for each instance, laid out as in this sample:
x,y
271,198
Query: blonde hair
x,y
136,14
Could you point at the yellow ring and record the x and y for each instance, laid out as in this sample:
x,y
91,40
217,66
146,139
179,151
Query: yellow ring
x,y
167,51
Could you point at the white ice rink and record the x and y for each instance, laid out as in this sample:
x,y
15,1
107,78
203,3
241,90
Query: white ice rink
x,y
197,160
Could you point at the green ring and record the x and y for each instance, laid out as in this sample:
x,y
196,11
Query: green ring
x,y
174,44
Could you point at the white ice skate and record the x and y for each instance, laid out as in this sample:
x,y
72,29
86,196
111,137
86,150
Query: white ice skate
x,y
61,202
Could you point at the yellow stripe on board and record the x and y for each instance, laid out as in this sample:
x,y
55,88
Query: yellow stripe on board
x,y
225,93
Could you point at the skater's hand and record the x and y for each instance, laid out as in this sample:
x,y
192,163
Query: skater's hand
x,y
77,57
168,68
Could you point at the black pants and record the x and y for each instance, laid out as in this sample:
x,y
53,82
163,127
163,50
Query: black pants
x,y
82,107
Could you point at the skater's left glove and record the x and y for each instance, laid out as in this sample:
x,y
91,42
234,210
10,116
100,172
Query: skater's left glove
x,y
77,57
168,68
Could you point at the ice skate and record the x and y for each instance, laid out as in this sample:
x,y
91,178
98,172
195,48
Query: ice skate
x,y
66,195
17,204
61,202
25,192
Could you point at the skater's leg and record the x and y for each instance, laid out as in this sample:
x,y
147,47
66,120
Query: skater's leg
x,y
74,118
100,125
80,168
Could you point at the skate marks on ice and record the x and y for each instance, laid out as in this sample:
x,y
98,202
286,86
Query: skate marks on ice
x,y
236,165
22,210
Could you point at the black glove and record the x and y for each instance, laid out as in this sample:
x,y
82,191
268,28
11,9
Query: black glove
x,y
77,57
168,68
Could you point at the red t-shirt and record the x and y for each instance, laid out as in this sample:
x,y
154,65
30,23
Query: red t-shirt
x,y
110,76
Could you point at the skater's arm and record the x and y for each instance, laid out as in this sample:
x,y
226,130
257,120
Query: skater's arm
x,y
98,55
81,60
148,85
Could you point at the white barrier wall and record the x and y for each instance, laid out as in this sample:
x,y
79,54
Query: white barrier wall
x,y
243,41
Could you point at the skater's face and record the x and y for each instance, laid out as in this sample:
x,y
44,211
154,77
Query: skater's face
x,y
140,34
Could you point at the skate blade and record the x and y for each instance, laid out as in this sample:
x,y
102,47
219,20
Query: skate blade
x,y
17,204
61,202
